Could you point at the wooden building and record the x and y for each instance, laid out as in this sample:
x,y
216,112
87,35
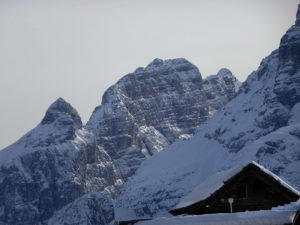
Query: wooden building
x,y
249,187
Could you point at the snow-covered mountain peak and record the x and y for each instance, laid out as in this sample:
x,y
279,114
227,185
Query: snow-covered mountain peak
x,y
174,67
156,62
150,108
287,83
56,162
224,77
141,82
59,125
60,108
160,62
222,73
293,34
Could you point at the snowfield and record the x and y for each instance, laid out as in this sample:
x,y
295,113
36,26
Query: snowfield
x,y
276,216
245,218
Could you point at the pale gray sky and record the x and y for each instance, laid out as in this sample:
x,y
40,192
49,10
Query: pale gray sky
x,y
76,49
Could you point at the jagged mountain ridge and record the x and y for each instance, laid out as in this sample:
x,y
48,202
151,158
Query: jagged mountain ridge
x,y
48,173
51,166
262,123
149,109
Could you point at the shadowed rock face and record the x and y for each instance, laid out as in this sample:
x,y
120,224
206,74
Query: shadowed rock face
x,y
32,187
35,172
51,166
288,79
297,23
149,109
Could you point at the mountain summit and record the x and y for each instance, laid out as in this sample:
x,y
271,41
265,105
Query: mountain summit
x,y
150,108
288,81
61,107
260,124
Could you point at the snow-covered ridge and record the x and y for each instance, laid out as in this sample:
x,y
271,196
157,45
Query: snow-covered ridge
x,y
52,165
185,70
224,72
60,124
150,108
223,76
260,124
60,161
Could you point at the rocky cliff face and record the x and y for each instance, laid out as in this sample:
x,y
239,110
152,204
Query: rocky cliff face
x,y
262,123
49,172
287,85
152,107
52,165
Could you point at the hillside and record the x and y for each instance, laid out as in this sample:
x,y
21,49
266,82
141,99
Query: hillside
x,y
261,124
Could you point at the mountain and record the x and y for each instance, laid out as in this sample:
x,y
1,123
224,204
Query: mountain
x,y
262,123
62,170
149,109
51,166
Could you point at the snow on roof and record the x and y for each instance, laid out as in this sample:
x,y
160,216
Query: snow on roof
x,y
263,217
216,181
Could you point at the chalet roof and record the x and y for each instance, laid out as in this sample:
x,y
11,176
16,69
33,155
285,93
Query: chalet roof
x,y
216,181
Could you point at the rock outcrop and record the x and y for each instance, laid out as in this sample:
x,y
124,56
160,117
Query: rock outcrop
x,y
287,85
49,172
51,166
147,110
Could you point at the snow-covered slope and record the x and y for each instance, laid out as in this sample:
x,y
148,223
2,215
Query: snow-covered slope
x,y
245,218
261,123
150,108
276,216
51,166
93,208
